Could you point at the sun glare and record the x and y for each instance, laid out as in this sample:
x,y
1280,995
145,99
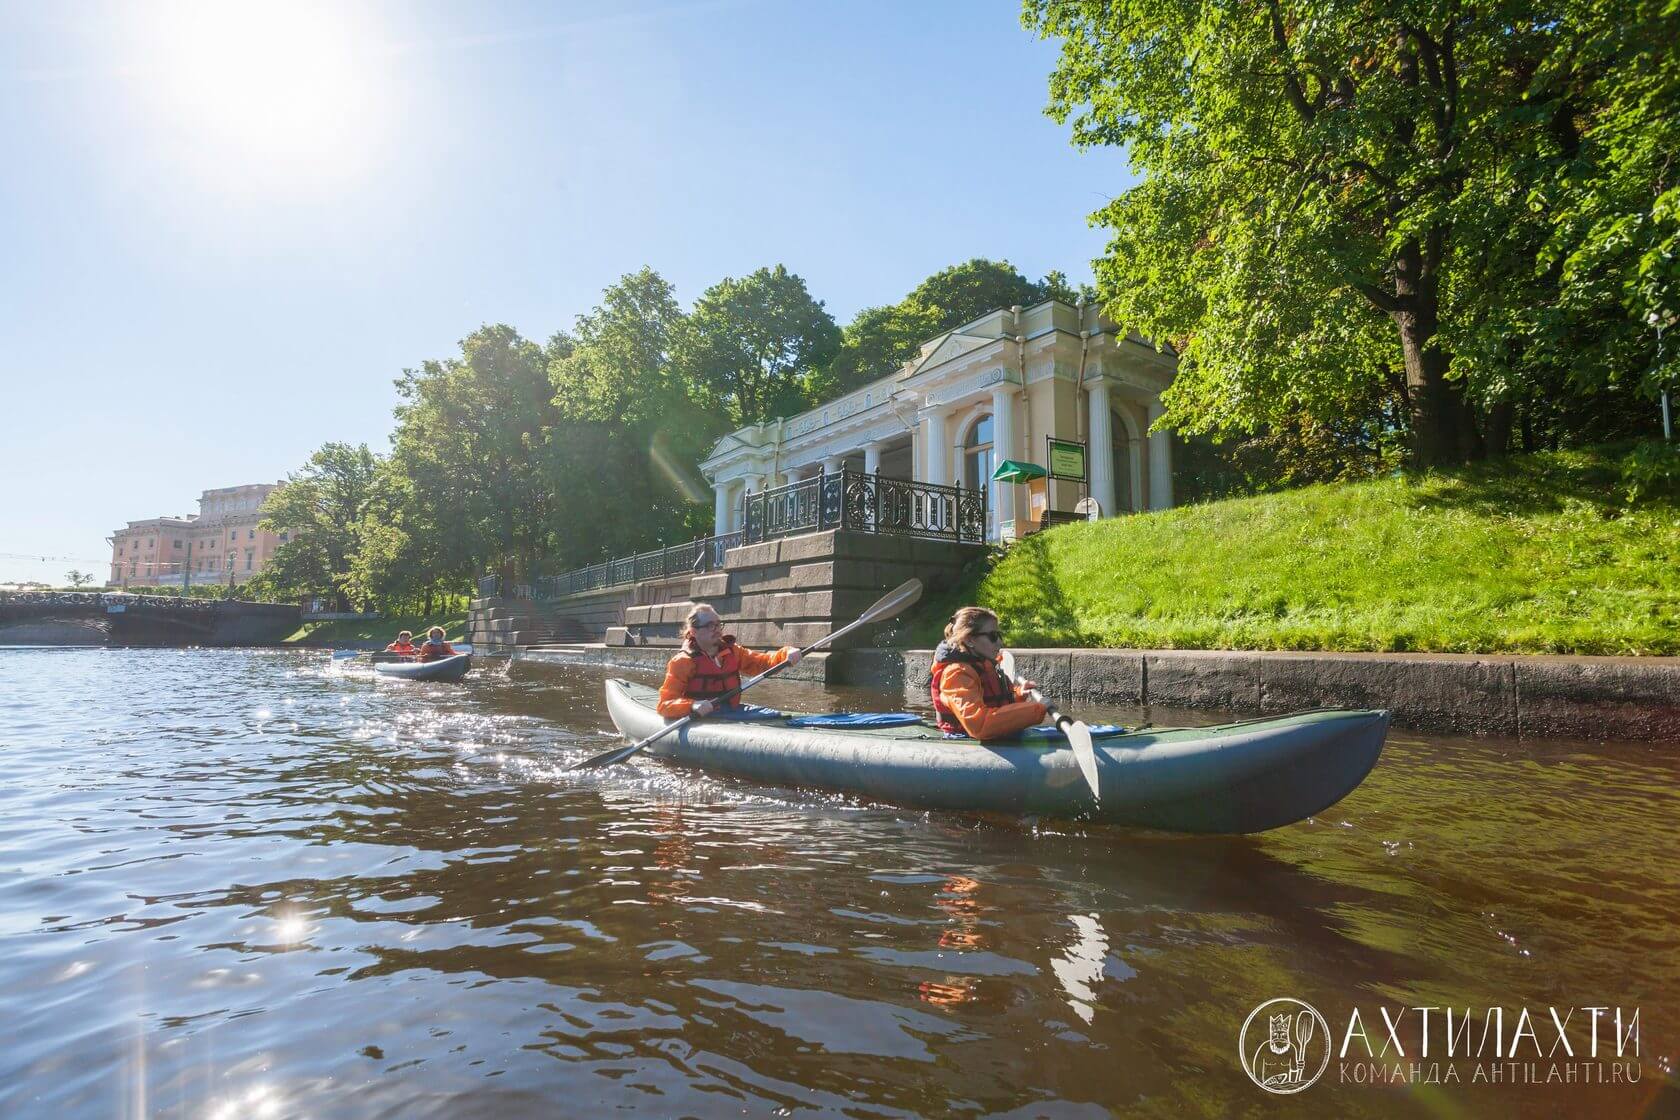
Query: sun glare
x,y
259,89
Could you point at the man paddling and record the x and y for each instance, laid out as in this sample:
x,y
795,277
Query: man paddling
x,y
404,645
710,666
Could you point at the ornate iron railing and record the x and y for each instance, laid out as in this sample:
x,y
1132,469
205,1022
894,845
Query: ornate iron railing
x,y
703,554
867,503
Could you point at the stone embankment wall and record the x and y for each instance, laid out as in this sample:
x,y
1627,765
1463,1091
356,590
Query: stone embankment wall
x,y
794,591
56,632
1633,699
784,592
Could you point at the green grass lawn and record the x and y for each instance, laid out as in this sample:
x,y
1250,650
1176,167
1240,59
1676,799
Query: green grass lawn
x,y
381,629
1533,554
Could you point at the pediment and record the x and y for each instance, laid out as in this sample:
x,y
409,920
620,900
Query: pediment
x,y
953,345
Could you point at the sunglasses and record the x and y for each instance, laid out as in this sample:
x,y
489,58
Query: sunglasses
x,y
994,635
708,625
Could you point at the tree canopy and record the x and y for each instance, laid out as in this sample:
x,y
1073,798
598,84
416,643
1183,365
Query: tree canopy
x,y
880,339
1467,202
757,347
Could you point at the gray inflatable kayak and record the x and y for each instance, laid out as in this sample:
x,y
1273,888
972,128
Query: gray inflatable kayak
x,y
443,669
1238,777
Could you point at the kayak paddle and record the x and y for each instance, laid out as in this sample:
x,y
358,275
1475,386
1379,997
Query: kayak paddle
x,y
341,654
1078,735
882,609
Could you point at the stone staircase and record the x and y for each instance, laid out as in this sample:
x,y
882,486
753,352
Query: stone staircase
x,y
502,625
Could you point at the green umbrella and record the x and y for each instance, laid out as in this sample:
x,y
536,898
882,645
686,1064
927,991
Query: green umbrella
x,y
1010,470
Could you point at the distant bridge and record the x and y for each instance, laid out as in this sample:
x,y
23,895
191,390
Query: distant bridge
x,y
120,618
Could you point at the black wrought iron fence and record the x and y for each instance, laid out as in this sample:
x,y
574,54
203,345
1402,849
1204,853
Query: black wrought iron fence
x,y
866,503
703,554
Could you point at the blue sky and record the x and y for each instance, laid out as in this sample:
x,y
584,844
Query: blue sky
x,y
225,235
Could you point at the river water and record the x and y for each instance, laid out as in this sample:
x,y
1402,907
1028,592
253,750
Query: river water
x,y
259,883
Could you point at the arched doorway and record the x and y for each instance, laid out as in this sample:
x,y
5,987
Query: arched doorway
x,y
1123,436
979,461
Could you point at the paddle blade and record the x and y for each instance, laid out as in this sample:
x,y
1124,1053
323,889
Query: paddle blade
x,y
1006,662
341,654
606,758
1085,753
619,754
892,602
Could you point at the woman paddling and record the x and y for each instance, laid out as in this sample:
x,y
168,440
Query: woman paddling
x,y
710,665
971,695
404,645
435,648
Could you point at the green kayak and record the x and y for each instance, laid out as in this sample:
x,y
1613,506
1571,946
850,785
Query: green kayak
x,y
1237,777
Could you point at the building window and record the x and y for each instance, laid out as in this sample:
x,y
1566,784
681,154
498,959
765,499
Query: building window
x,y
250,534
284,537
1122,452
977,454
249,555
233,536
177,544
979,460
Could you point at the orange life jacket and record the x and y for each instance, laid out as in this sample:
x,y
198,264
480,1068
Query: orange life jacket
x,y
711,678
436,651
996,689
400,647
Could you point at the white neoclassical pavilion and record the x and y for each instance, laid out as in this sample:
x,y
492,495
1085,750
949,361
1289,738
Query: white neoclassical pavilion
x,y
990,390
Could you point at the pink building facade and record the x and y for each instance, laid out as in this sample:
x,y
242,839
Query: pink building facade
x,y
221,544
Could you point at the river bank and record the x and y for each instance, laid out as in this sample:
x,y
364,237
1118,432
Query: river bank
x,y
1631,699
1554,553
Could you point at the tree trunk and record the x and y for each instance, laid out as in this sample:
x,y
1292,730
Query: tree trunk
x,y
1497,433
1443,431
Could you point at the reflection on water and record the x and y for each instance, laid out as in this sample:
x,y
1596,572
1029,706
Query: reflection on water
x,y
262,884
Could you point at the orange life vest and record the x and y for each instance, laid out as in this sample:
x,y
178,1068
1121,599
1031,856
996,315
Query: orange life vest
x,y
400,647
996,689
436,651
711,678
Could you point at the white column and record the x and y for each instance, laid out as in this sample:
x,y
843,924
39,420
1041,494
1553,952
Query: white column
x,y
1003,444
938,454
872,457
1100,453
720,508
1160,462
832,464
789,477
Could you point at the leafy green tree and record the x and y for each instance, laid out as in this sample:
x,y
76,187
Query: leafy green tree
x,y
320,508
469,447
1336,194
1614,241
78,578
880,339
628,423
753,349
616,364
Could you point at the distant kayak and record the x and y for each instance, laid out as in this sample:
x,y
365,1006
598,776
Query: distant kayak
x,y
1237,777
443,669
